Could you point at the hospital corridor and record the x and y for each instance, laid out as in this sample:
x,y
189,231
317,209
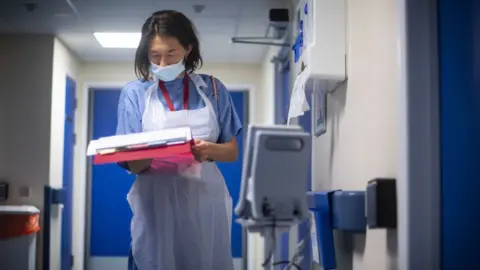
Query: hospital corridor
x,y
239,134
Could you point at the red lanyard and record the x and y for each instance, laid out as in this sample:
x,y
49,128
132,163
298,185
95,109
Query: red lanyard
x,y
169,100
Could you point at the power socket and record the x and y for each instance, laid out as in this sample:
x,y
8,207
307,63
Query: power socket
x,y
3,191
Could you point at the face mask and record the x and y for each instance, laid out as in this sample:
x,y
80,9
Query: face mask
x,y
168,73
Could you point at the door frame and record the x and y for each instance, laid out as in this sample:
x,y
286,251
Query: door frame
x,y
419,179
86,134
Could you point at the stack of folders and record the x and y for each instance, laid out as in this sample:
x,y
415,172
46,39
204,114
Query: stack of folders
x,y
165,144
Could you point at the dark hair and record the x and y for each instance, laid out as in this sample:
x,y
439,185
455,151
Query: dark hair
x,y
168,23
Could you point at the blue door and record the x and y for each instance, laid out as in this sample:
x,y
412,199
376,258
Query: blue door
x,y
69,142
110,213
459,41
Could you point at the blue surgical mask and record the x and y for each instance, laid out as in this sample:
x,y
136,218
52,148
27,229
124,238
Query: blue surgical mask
x,y
168,73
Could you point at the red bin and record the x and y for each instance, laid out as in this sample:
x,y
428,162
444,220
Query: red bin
x,y
18,228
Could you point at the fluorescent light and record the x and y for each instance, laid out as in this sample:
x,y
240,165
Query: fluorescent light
x,y
118,40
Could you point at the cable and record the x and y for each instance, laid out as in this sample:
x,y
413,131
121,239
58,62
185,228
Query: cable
x,y
300,246
272,247
297,254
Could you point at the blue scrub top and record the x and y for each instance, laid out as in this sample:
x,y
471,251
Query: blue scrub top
x,y
132,104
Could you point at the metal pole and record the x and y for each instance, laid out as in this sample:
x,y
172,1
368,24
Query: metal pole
x,y
260,43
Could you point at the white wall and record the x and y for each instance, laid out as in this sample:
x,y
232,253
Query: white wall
x,y
64,64
26,91
32,94
361,139
118,74
267,95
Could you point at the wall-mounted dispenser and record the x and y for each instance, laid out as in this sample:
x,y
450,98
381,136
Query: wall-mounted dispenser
x,y
349,211
334,210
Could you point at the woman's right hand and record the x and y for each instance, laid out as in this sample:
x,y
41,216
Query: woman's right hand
x,y
138,166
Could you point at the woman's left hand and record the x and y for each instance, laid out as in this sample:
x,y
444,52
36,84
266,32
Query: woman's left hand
x,y
202,150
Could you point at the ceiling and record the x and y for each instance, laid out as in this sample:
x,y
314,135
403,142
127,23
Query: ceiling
x,y
74,22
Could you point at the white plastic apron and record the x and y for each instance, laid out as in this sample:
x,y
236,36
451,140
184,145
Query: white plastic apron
x,y
180,223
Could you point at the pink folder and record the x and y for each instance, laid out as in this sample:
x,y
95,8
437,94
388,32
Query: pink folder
x,y
170,153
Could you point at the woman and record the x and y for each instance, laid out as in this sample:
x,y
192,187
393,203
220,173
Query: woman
x,y
179,223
